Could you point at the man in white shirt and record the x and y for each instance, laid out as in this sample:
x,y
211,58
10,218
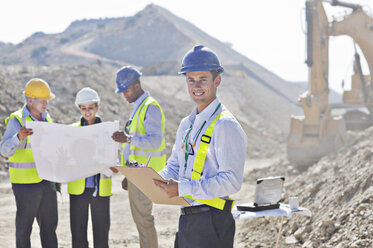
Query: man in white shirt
x,y
207,159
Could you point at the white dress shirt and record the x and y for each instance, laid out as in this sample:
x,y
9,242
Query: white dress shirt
x,y
223,169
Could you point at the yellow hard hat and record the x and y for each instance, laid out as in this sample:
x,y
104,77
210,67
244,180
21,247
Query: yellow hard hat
x,y
38,88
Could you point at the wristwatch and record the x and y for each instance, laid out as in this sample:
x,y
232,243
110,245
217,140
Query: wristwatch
x,y
128,139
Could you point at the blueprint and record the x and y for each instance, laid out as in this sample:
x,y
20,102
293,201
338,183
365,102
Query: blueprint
x,y
65,153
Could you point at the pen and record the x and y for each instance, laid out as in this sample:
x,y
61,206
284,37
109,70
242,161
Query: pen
x,y
147,163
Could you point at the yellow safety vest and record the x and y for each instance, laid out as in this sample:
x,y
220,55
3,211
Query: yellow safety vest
x,y
77,187
22,169
199,162
158,159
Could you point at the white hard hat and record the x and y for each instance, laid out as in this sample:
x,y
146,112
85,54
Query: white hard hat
x,y
86,95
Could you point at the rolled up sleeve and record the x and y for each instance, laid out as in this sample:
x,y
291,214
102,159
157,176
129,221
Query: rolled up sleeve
x,y
10,140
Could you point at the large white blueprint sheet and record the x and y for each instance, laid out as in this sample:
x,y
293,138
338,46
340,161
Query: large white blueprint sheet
x,y
64,153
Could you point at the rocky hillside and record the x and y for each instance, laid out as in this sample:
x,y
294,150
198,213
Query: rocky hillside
x,y
152,35
339,192
154,39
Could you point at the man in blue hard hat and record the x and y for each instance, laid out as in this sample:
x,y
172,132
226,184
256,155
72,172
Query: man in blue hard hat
x,y
207,160
143,138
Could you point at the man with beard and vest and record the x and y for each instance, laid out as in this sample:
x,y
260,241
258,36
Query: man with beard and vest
x,y
207,160
35,197
143,138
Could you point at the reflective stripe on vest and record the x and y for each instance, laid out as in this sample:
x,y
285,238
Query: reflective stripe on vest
x,y
77,187
158,159
200,158
22,168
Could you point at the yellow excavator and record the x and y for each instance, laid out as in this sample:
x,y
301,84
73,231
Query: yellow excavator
x,y
319,132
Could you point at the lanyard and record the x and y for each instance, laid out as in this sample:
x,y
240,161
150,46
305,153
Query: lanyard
x,y
186,152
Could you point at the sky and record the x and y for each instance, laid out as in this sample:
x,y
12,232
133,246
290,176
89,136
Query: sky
x,y
269,32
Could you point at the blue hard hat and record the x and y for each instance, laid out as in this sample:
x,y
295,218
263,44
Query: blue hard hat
x,y
200,58
125,77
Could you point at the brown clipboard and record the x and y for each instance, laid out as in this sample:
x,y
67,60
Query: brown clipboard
x,y
142,178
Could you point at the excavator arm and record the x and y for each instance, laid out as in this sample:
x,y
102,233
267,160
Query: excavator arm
x,y
315,100
359,26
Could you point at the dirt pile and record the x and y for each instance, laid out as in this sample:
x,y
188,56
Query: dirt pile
x,y
339,192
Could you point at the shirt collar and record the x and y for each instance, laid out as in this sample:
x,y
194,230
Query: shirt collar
x,y
139,100
83,122
206,113
26,113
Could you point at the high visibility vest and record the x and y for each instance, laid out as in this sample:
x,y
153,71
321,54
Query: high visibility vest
x,y
77,187
200,158
22,169
158,159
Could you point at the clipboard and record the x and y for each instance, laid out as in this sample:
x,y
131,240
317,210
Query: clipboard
x,y
142,178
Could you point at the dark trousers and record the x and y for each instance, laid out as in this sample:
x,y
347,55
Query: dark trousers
x,y
100,216
36,200
214,228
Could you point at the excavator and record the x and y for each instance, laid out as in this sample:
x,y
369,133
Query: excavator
x,y
320,132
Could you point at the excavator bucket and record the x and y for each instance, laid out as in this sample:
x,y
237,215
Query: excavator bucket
x,y
308,143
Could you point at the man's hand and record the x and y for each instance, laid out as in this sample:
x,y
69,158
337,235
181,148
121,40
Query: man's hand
x,y
119,136
171,187
24,132
124,184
